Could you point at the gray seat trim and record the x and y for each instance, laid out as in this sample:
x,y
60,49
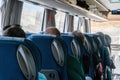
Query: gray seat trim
x,y
58,52
75,48
50,74
26,62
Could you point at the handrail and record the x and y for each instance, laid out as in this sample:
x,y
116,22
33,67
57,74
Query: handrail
x,y
115,44
115,47
116,74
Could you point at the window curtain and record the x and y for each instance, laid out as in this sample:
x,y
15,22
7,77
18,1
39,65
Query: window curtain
x,y
49,19
87,25
11,12
69,23
66,23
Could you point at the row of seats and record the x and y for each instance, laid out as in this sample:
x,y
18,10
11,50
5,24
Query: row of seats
x,y
22,59
100,50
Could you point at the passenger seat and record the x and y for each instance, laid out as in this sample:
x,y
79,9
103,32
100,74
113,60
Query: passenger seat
x,y
53,55
17,60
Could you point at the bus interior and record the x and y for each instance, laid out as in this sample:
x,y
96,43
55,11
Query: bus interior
x,y
24,58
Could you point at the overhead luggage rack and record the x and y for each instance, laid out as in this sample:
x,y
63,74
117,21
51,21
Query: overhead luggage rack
x,y
65,6
87,13
99,5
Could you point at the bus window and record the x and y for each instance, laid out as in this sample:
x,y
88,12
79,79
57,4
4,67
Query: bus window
x,y
75,24
32,17
60,19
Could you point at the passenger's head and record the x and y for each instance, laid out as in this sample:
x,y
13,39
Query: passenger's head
x,y
6,27
82,38
53,31
9,26
80,35
14,31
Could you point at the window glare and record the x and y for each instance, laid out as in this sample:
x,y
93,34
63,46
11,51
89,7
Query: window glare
x,y
31,18
60,19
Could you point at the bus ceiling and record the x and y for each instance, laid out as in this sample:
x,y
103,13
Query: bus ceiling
x,y
111,4
95,11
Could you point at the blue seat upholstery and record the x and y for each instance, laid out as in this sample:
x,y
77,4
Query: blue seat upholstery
x,y
42,32
95,58
45,42
9,66
72,45
74,63
93,48
85,56
68,39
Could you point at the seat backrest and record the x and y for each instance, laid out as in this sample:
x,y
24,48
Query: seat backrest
x,y
17,59
93,45
102,38
85,55
101,48
93,56
89,42
72,45
42,32
97,41
53,54
28,34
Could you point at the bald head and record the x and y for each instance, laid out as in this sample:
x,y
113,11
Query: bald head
x,y
80,35
52,31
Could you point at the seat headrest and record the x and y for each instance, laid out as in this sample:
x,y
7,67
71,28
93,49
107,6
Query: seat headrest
x,y
41,36
67,34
